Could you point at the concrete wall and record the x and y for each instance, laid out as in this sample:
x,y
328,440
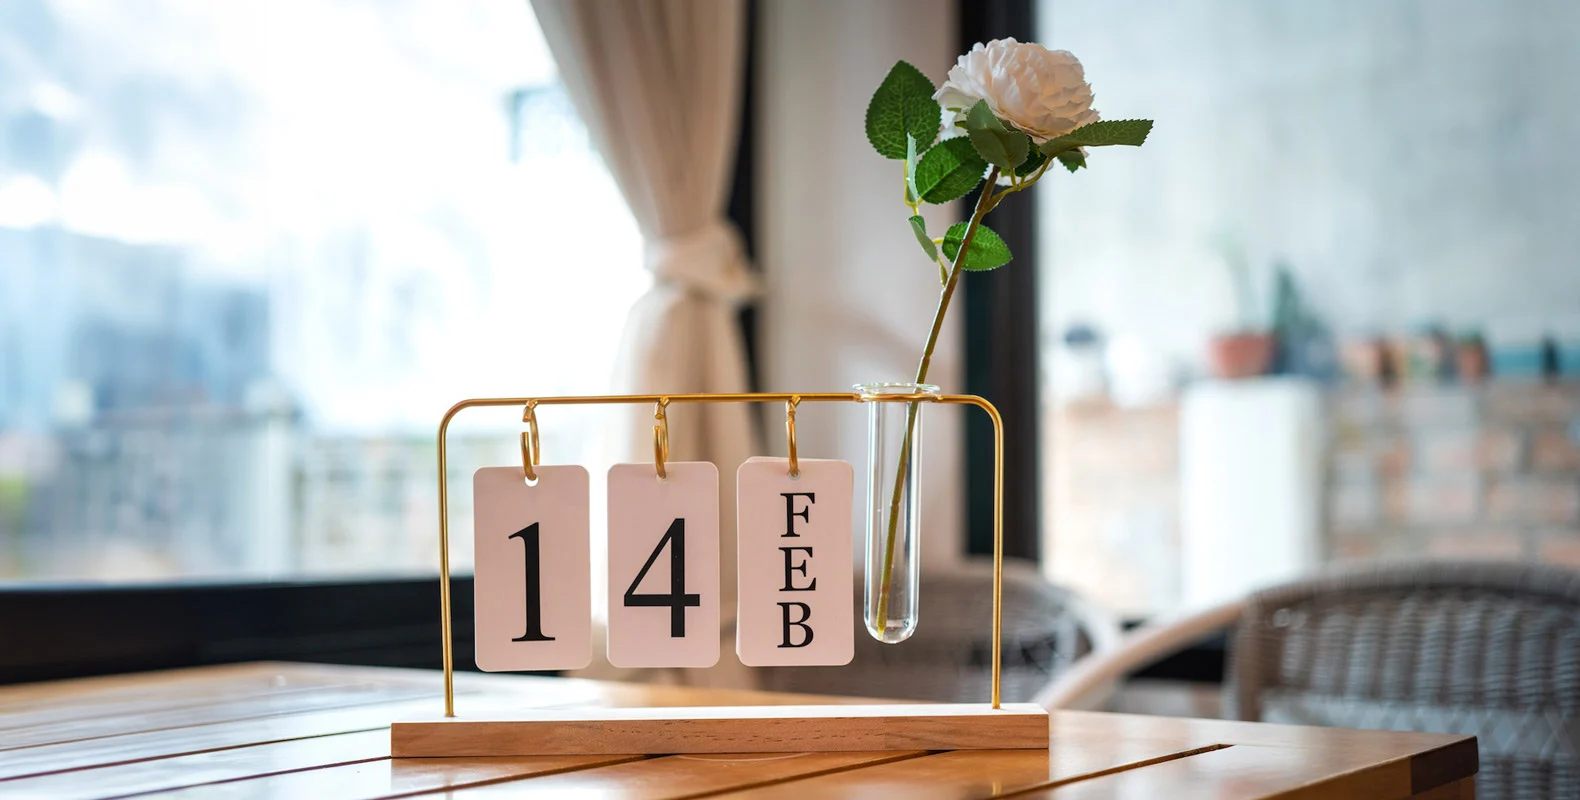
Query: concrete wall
x,y
1411,160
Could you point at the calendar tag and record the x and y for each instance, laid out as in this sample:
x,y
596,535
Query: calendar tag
x,y
797,606
532,589
664,565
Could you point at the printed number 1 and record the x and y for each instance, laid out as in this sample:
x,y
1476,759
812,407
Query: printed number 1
x,y
534,592
676,600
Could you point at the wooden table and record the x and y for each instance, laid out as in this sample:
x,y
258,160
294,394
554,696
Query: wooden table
x,y
301,731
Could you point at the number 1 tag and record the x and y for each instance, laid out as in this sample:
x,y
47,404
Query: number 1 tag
x,y
664,565
795,563
533,571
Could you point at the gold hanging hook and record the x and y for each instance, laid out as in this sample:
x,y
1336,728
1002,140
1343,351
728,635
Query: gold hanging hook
x,y
530,454
795,463
661,438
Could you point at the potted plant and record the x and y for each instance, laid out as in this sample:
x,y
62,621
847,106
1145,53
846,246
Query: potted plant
x,y
1247,350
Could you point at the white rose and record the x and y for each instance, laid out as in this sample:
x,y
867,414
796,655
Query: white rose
x,y
1040,91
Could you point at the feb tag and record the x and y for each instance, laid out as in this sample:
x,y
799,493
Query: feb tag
x,y
795,563
533,570
664,565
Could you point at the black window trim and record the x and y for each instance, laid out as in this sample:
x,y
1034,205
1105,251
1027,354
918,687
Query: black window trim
x,y
1001,338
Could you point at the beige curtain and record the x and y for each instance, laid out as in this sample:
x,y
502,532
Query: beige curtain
x,y
658,83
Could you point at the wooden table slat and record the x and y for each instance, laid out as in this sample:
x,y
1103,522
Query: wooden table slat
x,y
196,769
974,773
107,688
1187,732
393,777
688,775
199,697
41,704
163,743
1259,771
226,711
201,738
1464,789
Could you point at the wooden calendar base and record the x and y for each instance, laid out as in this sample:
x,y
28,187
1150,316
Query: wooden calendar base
x,y
728,729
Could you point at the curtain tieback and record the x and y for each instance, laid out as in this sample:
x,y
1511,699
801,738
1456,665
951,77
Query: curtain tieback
x,y
708,260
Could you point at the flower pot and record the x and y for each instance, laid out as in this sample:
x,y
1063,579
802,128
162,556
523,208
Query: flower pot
x,y
1471,362
1241,355
894,471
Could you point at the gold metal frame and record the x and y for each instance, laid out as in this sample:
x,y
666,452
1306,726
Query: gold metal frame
x,y
529,453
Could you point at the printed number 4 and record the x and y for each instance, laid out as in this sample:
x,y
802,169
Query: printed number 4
x,y
676,600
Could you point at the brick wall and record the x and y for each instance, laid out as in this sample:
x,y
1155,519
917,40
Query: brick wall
x,y
1462,472
1456,472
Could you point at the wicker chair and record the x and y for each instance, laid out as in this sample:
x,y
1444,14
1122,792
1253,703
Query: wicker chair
x,y
949,657
1490,649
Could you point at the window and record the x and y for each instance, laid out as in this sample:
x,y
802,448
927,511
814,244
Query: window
x,y
251,251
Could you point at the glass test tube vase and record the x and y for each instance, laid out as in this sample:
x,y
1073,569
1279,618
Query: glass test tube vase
x,y
894,472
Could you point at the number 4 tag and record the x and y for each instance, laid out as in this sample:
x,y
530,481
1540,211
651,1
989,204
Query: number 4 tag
x,y
664,565
532,567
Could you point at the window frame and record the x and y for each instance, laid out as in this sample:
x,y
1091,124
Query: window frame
x,y
1002,339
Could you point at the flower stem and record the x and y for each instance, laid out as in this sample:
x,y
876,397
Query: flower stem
x,y
985,203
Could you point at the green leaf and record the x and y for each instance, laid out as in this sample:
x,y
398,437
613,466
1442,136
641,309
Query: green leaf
x,y
919,227
1131,132
1072,159
997,144
983,129
949,171
903,104
988,251
1033,160
980,118
911,195
990,147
